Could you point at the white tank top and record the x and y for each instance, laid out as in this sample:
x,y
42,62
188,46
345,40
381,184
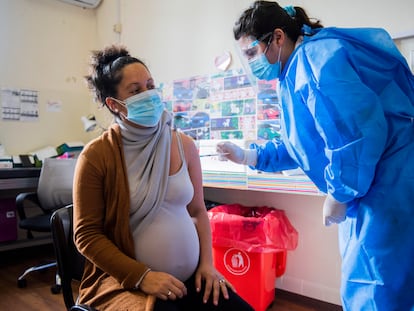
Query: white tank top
x,y
170,244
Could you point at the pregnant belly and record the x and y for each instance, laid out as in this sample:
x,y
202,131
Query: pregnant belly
x,y
170,244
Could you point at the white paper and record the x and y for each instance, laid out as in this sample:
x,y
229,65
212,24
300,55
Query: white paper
x,y
212,163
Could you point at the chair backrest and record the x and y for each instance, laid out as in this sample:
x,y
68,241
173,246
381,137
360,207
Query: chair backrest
x,y
70,262
56,183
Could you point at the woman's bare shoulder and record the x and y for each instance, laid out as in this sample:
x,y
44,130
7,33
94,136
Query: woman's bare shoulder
x,y
188,143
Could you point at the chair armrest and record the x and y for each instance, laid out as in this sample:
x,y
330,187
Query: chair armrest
x,y
25,197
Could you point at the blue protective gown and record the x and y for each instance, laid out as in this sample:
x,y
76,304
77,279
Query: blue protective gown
x,y
347,100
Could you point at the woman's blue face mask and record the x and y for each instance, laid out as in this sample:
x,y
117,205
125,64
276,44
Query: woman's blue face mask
x,y
145,108
264,70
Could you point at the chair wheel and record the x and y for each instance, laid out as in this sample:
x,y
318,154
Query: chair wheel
x,y
22,283
55,289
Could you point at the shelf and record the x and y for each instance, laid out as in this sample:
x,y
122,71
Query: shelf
x,y
298,184
224,180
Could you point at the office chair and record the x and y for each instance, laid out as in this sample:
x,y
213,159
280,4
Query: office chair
x,y
70,262
53,192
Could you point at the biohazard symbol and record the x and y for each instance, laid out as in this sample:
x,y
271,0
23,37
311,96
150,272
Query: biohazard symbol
x,y
236,261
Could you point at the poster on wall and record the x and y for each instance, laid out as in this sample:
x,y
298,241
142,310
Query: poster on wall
x,y
19,104
233,107
268,111
190,105
224,106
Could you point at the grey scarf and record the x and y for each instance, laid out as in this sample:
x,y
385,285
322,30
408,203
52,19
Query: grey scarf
x,y
147,157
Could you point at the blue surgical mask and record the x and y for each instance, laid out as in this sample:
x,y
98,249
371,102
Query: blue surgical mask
x,y
264,70
145,108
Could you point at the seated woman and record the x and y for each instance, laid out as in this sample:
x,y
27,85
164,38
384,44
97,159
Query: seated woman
x,y
139,214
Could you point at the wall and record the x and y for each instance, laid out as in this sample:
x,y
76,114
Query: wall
x,y
44,47
181,38
46,44
175,38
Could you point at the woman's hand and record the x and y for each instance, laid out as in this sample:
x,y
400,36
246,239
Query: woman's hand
x,y
230,151
334,212
163,286
214,283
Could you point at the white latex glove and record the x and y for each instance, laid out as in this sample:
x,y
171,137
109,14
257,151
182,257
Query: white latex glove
x,y
229,151
334,212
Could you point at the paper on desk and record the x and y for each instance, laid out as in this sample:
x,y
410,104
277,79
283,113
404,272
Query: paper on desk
x,y
6,161
46,152
293,172
73,144
2,150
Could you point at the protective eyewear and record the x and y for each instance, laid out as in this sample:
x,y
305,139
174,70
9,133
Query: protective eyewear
x,y
254,49
249,53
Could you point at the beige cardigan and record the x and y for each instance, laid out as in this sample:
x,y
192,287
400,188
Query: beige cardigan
x,y
101,228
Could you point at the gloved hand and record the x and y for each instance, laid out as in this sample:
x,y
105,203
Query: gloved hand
x,y
334,212
230,151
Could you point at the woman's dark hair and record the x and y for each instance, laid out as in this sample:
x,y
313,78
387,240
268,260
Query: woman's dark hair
x,y
263,17
106,70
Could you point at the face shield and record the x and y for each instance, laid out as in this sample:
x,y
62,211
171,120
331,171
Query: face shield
x,y
249,49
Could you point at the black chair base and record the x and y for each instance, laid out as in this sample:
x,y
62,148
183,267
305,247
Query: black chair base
x,y
22,281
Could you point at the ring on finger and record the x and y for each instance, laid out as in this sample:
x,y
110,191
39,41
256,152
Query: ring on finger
x,y
222,281
169,293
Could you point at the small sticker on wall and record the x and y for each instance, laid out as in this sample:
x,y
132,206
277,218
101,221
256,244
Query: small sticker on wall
x,y
54,106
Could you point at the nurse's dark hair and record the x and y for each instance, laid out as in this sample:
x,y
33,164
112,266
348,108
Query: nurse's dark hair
x,y
105,70
263,17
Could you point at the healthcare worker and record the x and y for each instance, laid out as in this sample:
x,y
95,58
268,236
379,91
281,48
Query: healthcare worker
x,y
347,101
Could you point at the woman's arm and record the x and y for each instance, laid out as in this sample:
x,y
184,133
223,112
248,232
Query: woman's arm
x,y
206,271
105,247
197,208
349,117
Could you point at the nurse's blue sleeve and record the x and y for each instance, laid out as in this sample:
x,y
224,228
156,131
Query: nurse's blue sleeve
x,y
273,157
350,119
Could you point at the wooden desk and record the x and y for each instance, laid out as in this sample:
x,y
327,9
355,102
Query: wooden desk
x,y
12,182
